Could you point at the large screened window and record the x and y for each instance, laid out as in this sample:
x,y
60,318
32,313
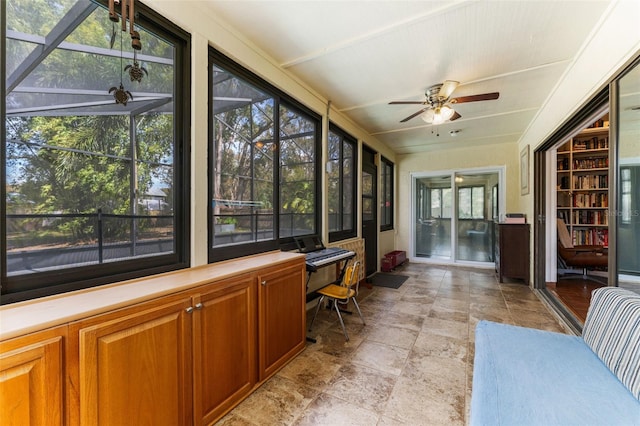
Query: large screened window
x,y
386,195
263,185
94,190
440,205
471,202
341,191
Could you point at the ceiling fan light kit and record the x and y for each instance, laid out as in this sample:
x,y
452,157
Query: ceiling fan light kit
x,y
437,108
437,115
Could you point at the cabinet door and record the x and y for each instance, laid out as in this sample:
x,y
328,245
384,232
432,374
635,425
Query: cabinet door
x,y
225,351
31,379
281,325
514,248
135,365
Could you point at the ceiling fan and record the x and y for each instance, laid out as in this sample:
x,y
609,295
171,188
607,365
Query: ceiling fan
x,y
437,108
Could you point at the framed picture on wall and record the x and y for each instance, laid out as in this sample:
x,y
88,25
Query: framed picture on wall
x,y
524,171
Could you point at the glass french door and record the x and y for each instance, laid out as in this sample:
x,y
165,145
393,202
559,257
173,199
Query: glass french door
x,y
627,209
475,216
455,215
433,201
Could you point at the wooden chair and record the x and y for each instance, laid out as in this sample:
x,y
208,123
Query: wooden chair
x,y
341,294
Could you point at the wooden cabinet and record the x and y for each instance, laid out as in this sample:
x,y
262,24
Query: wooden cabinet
x,y
224,346
134,365
583,185
282,299
184,359
32,379
177,349
512,251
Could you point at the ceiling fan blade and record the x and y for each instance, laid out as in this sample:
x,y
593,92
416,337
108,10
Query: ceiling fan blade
x,y
407,103
414,115
475,98
455,116
447,88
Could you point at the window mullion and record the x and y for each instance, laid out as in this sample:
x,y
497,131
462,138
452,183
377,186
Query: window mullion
x,y
276,169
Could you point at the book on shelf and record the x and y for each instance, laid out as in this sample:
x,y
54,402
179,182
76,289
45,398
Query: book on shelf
x,y
512,220
591,237
591,163
564,215
591,200
515,218
600,123
589,217
595,142
591,182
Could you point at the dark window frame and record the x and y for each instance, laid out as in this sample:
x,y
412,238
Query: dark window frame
x,y
347,230
387,223
38,284
220,253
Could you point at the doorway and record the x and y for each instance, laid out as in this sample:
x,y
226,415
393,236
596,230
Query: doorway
x,y
579,206
620,98
369,210
454,215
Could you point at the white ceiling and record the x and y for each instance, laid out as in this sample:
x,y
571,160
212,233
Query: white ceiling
x,y
363,54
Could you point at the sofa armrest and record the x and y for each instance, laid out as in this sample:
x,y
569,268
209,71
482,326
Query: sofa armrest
x,y
612,331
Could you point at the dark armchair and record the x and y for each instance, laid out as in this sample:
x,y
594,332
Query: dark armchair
x,y
584,257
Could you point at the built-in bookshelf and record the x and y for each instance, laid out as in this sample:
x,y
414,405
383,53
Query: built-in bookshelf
x,y
583,184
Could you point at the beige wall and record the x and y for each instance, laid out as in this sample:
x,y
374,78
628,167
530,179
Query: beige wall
x,y
387,242
615,41
206,30
502,155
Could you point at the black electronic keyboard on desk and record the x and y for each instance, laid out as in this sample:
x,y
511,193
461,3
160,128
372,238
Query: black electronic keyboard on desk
x,y
318,256
328,256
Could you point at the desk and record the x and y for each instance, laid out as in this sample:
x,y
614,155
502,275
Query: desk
x,y
341,255
333,257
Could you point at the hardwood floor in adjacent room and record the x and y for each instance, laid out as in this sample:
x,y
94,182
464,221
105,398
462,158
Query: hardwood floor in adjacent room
x,y
575,294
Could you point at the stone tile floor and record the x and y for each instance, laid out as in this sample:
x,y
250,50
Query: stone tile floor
x,y
411,364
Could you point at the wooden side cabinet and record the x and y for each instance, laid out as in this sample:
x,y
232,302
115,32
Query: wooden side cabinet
x,y
32,379
512,251
224,346
185,356
134,365
282,316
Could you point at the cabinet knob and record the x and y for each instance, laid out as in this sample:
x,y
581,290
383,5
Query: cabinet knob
x,y
198,306
264,282
189,309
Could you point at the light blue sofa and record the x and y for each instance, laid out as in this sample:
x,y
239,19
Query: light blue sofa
x,y
523,376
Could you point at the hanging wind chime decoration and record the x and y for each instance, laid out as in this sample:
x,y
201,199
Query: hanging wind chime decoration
x,y
135,71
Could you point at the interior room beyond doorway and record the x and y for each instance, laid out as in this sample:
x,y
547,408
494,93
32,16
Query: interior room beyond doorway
x,y
455,213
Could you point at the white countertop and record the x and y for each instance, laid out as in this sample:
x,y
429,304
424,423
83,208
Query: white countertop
x,y
38,314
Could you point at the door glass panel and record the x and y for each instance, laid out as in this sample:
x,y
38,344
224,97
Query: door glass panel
x,y
474,230
367,196
628,191
433,217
